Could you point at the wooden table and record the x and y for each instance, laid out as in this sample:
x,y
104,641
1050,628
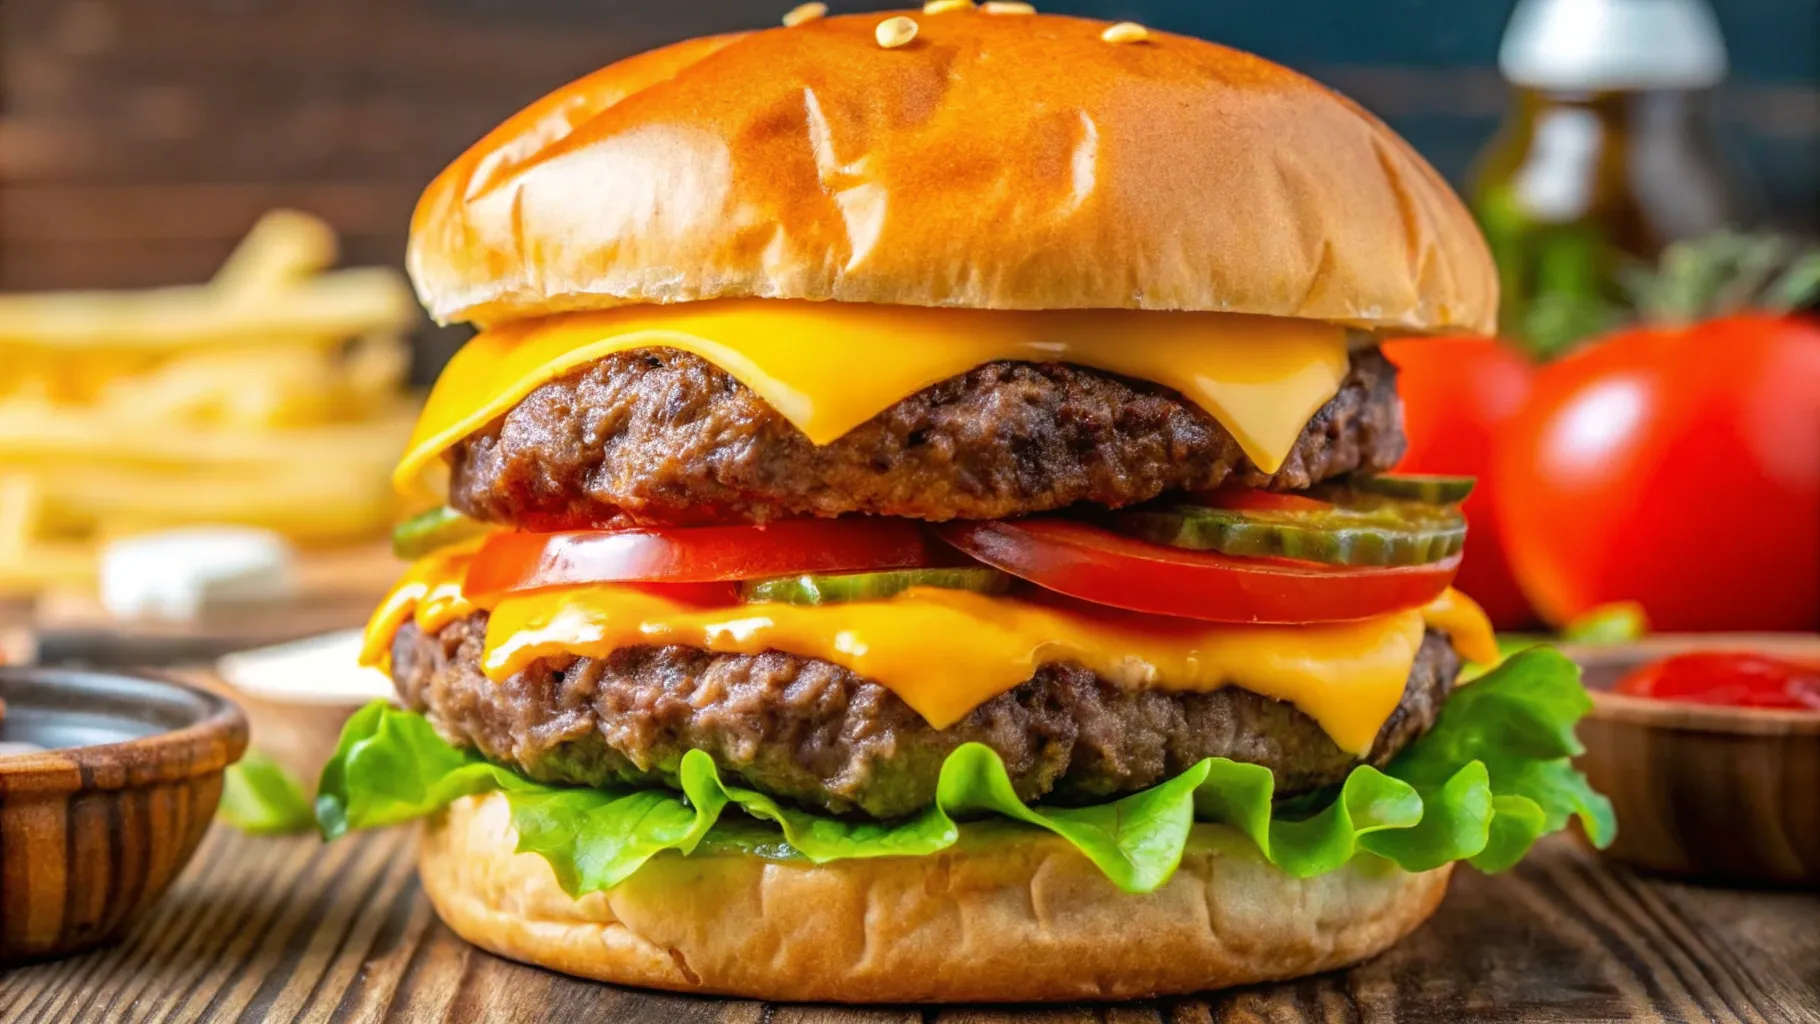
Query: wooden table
x,y
288,929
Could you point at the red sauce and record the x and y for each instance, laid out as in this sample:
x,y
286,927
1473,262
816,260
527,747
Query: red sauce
x,y
1732,679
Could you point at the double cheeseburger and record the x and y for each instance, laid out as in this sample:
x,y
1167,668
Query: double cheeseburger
x,y
915,526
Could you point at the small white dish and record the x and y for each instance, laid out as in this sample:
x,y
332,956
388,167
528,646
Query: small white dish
x,y
323,670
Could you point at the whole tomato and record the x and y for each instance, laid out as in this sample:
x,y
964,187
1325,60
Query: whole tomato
x,y
1458,393
1678,467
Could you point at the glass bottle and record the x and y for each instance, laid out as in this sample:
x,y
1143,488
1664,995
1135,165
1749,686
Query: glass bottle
x,y
1603,159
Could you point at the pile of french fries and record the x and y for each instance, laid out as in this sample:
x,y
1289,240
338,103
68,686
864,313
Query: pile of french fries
x,y
272,396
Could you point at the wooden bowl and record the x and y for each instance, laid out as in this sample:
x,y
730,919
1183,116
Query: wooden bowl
x,y
1718,793
94,829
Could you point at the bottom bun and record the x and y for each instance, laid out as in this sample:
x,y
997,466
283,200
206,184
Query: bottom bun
x,y
1006,915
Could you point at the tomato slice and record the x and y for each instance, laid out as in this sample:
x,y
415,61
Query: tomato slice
x,y
700,554
1251,499
1086,562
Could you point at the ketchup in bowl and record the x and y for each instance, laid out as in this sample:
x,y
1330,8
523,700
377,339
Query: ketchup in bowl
x,y
1733,679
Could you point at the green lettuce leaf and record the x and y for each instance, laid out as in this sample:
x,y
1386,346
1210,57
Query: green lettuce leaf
x,y
1482,786
260,798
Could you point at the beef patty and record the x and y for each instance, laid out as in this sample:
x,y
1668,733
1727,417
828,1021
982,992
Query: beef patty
x,y
814,734
660,436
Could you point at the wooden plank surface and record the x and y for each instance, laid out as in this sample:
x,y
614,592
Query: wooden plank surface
x,y
287,929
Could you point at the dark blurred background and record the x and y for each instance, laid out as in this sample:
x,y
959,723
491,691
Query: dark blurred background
x,y
141,138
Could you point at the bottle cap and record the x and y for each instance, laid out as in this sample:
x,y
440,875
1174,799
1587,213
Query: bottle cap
x,y
1597,45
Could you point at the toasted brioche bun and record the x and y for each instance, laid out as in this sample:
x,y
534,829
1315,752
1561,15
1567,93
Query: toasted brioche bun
x,y
996,161
1007,916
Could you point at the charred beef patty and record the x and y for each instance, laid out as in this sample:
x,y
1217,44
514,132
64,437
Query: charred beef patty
x,y
817,735
660,436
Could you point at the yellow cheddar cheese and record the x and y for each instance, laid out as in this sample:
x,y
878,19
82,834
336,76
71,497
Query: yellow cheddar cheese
x,y
945,652
829,367
429,593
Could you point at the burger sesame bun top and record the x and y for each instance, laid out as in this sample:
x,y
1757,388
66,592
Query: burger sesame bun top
x,y
995,160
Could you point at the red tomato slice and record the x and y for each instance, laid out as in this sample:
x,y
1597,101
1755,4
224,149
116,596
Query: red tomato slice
x,y
1250,499
699,554
1105,568
1459,395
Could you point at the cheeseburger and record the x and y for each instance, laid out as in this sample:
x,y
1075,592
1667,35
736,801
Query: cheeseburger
x,y
915,525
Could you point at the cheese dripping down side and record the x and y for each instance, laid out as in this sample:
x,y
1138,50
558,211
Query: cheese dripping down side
x,y
1347,676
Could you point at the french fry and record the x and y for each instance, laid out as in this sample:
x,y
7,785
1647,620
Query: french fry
x,y
20,508
31,432
253,388
28,562
336,305
283,247
377,367
47,564
272,396
307,507
265,387
308,503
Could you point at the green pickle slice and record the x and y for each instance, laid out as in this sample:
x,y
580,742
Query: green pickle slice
x,y
1358,529
1423,487
432,531
871,586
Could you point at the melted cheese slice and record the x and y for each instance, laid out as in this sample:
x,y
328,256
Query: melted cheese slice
x,y
429,593
829,367
945,652
1465,624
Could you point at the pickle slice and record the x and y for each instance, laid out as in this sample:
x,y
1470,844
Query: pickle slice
x,y
1358,529
1427,488
872,586
432,531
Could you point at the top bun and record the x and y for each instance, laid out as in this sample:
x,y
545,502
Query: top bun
x,y
999,161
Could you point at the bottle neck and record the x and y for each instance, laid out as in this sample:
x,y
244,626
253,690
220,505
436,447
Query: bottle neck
x,y
1642,165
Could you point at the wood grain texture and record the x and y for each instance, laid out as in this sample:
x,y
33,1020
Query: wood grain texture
x,y
91,837
290,930
140,138
1719,793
